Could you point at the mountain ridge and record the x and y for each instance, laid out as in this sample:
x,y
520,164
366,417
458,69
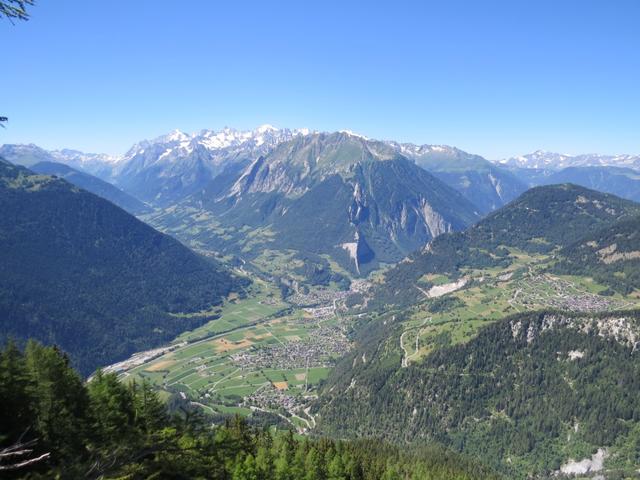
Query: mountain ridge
x,y
547,218
338,186
92,184
82,273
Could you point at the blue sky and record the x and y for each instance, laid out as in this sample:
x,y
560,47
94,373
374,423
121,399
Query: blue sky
x,y
497,78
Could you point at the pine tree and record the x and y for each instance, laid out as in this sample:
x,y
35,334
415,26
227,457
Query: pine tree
x,y
112,407
61,401
16,414
150,413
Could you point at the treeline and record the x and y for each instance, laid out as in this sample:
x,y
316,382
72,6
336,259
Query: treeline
x,y
53,425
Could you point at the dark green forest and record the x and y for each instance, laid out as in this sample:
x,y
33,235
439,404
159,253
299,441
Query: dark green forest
x,y
611,256
79,272
53,425
516,392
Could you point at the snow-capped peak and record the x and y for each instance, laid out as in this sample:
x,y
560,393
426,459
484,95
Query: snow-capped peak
x,y
556,161
173,136
265,128
177,145
353,134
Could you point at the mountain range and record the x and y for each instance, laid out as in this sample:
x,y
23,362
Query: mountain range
x,y
167,169
357,200
230,191
541,159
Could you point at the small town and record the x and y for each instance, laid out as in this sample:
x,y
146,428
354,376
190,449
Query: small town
x,y
323,345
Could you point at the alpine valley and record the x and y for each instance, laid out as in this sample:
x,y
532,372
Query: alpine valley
x,y
446,315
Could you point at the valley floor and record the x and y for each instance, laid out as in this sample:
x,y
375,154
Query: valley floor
x,y
261,355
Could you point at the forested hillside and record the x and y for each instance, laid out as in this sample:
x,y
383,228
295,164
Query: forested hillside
x,y
538,222
81,273
55,426
92,184
525,395
610,255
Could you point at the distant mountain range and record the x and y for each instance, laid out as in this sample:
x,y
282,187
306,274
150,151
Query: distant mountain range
x,y
171,167
97,164
487,185
366,201
541,159
167,169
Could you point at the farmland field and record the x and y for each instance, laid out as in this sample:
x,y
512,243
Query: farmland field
x,y
259,354
493,293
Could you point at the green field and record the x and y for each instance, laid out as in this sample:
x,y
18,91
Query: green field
x,y
205,370
263,300
493,293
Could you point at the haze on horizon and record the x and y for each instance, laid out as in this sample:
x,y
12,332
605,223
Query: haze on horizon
x,y
498,79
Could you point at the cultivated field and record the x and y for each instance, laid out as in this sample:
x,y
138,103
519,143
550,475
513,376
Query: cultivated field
x,y
261,354
494,293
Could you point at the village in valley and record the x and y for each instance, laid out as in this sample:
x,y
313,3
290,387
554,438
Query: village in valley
x,y
263,354
487,295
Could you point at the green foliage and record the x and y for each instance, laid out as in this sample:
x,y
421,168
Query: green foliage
x,y
109,430
516,391
81,273
610,255
14,10
445,303
317,271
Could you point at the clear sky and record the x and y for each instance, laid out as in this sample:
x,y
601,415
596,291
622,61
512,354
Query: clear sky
x,y
497,78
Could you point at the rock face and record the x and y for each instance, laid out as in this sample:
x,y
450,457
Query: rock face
x,y
620,328
587,465
171,167
342,195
